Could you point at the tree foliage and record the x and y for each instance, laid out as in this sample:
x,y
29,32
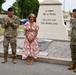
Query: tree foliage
x,y
1,2
25,7
16,8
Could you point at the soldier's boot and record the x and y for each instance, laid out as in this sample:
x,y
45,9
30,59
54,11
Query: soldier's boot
x,y
4,60
71,67
75,68
14,60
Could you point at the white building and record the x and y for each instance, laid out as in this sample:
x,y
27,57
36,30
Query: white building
x,y
67,17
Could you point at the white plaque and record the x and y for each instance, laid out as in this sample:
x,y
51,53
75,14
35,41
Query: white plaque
x,y
43,53
50,21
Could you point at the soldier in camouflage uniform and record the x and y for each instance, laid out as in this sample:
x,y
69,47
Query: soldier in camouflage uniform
x,y
73,42
10,24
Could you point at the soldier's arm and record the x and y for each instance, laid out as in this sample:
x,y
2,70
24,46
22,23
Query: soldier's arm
x,y
4,23
71,20
17,22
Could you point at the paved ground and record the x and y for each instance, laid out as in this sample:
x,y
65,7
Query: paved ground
x,y
56,49
59,49
37,69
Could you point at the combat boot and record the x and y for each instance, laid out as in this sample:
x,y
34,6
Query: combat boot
x,y
71,67
4,60
75,68
14,61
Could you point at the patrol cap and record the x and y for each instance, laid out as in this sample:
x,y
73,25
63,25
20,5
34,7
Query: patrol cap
x,y
10,9
74,10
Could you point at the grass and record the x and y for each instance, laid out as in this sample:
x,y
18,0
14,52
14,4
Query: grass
x,y
21,27
1,30
69,33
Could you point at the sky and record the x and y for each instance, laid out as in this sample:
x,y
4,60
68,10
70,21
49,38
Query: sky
x,y
69,4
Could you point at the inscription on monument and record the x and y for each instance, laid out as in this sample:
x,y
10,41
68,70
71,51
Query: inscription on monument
x,y
50,20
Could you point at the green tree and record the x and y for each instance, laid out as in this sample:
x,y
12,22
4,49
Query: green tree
x,y
1,2
28,6
16,8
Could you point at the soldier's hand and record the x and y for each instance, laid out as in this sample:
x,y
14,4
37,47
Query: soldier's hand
x,y
8,20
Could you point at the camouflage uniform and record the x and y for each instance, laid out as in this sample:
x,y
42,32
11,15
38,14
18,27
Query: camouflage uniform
x,y
10,33
73,40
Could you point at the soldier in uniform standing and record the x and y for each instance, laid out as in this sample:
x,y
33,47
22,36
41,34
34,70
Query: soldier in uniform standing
x,y
73,42
10,24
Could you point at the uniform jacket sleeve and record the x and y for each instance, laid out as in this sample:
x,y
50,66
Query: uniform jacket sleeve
x,y
4,23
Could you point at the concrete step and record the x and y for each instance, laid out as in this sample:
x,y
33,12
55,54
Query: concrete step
x,y
46,59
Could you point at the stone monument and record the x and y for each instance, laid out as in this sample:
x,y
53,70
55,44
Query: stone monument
x,y
50,21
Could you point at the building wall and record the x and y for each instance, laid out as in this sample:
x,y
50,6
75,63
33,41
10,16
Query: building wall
x,y
67,17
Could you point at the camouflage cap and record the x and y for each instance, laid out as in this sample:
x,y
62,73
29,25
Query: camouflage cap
x,y
10,9
74,10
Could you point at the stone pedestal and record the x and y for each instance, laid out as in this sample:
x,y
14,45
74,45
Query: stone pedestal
x,y
50,21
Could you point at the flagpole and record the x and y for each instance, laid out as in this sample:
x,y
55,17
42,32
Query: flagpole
x,y
64,5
